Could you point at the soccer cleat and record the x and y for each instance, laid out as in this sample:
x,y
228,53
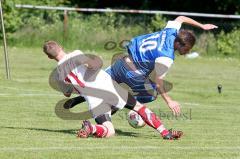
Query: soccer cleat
x,y
86,130
173,135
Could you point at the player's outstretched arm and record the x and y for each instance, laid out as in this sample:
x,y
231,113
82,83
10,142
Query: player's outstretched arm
x,y
183,19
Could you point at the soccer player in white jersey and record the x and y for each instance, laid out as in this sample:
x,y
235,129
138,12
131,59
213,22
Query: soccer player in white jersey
x,y
82,74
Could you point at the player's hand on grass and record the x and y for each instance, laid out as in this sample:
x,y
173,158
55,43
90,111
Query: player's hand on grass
x,y
208,26
175,107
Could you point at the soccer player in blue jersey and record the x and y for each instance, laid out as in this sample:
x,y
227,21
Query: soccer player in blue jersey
x,y
154,53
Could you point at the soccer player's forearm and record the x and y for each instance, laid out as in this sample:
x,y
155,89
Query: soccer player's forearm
x,y
161,90
183,19
166,97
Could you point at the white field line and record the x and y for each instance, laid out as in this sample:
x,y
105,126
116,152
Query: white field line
x,y
19,89
195,104
7,149
57,95
52,94
28,94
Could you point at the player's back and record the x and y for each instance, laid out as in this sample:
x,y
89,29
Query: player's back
x,y
72,69
145,49
71,64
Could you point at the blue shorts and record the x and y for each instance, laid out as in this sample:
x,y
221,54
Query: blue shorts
x,y
137,83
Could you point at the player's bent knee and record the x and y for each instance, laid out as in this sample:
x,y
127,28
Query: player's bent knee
x,y
110,127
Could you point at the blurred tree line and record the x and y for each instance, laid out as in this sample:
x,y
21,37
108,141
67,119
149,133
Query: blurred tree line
x,y
29,27
15,18
210,6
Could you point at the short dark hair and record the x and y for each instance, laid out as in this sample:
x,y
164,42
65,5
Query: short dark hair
x,y
186,39
51,48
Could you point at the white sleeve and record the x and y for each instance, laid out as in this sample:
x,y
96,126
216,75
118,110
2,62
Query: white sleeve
x,y
76,52
162,65
174,24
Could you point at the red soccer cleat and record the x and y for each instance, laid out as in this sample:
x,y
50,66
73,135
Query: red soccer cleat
x,y
86,130
173,135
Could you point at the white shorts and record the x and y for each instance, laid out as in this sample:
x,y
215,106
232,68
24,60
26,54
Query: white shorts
x,y
101,93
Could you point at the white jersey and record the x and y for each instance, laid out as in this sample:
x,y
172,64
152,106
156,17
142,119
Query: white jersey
x,y
70,71
96,87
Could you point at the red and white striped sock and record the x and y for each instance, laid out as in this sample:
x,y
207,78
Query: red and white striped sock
x,y
99,131
151,119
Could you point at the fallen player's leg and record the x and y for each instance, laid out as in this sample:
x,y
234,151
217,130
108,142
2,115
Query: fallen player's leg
x,y
72,102
103,128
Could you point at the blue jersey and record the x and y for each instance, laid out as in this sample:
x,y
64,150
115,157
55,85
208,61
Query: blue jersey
x,y
145,49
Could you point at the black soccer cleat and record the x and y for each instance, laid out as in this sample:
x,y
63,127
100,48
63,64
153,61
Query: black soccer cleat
x,y
72,102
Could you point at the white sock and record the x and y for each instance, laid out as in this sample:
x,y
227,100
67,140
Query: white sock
x,y
161,128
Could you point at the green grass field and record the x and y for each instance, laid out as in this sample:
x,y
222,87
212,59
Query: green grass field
x,y
29,127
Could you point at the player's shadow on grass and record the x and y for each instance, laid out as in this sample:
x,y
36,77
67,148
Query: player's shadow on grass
x,y
73,131
65,131
126,133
